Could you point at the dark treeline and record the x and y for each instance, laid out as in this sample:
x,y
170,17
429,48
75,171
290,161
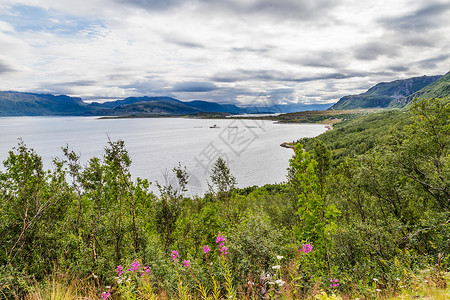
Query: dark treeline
x,y
371,196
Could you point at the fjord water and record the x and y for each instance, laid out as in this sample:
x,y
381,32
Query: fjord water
x,y
156,145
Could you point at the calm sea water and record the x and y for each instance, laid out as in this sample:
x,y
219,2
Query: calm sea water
x,y
251,147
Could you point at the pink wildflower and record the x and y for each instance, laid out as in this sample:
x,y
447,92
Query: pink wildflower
x,y
105,295
223,251
134,266
147,269
335,284
119,270
206,249
186,263
220,238
175,255
306,248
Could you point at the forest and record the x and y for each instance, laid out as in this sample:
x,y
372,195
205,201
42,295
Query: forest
x,y
364,213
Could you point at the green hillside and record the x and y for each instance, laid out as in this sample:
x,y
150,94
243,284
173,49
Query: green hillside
x,y
154,108
29,104
382,94
437,89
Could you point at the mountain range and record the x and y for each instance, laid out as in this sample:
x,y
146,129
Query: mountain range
x,y
438,89
32,104
396,93
386,94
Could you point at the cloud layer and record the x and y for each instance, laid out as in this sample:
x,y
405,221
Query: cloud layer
x,y
309,51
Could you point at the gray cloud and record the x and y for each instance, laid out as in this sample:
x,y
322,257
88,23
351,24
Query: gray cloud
x,y
282,94
373,50
151,5
301,10
298,9
77,83
433,62
274,75
250,49
427,17
424,40
398,68
6,68
150,87
64,87
182,42
320,59
194,87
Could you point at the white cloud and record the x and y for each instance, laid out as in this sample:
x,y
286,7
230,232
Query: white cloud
x,y
320,50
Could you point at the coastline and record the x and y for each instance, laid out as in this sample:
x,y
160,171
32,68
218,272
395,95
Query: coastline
x,y
287,145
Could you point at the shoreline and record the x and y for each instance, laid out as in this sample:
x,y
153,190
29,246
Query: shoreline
x,y
287,145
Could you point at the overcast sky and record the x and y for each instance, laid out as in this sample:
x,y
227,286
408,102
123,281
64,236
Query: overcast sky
x,y
235,51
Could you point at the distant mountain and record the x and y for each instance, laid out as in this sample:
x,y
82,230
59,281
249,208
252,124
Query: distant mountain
x,y
160,106
215,107
29,104
132,100
382,94
437,89
148,108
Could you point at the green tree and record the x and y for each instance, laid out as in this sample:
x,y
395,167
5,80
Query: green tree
x,y
424,155
33,203
316,212
168,206
222,181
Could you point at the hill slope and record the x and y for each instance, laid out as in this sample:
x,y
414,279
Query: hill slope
x,y
382,94
437,89
149,108
29,104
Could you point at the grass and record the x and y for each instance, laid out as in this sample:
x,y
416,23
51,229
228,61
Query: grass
x,y
63,287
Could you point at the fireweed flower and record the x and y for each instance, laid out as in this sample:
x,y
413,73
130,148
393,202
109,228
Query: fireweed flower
x,y
105,295
119,270
175,255
223,250
206,249
306,248
134,266
220,238
147,269
186,263
334,283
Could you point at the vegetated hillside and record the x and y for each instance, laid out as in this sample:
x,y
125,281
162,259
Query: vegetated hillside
x,y
284,108
153,108
369,226
357,136
382,94
437,89
131,100
207,106
29,104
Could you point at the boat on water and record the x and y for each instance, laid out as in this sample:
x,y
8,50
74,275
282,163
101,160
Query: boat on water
x,y
214,126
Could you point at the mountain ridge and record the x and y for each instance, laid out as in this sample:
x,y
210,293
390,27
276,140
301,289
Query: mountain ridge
x,y
14,103
438,89
382,94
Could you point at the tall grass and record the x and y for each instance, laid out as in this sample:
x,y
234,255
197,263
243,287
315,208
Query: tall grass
x,y
63,286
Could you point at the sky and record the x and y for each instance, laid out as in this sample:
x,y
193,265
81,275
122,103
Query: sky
x,y
229,51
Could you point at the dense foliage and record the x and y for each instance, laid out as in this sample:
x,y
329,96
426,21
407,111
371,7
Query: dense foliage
x,y
368,200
